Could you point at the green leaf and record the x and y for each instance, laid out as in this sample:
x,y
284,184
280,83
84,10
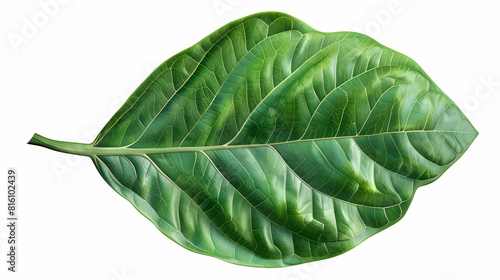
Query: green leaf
x,y
271,144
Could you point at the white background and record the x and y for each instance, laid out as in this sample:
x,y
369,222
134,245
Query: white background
x,y
67,76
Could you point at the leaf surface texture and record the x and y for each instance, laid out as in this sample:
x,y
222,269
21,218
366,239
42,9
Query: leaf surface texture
x,y
270,144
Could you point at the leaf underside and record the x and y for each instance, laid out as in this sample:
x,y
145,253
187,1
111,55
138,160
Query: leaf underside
x,y
271,144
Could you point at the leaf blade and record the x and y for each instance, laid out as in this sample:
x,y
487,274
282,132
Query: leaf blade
x,y
271,144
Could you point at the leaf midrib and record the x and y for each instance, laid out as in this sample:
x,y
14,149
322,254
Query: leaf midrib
x,y
90,150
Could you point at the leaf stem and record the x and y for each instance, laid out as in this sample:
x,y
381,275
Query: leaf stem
x,y
61,146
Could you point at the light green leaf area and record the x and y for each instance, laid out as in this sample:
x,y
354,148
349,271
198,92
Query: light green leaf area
x,y
271,144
